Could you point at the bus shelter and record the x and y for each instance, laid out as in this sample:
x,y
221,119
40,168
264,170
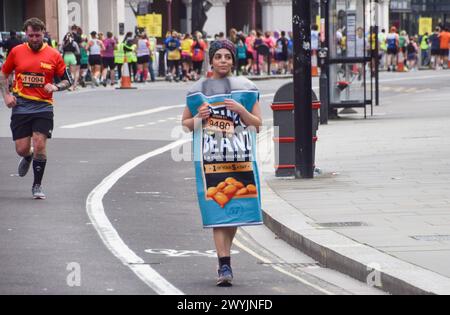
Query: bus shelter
x,y
352,58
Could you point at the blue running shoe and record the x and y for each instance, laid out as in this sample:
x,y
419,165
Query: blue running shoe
x,y
225,277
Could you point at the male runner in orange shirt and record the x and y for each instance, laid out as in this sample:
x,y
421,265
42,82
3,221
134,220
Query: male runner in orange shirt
x,y
36,65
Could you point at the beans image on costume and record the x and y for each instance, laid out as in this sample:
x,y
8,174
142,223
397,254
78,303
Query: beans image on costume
x,y
230,180
221,186
230,190
251,189
212,191
242,192
221,199
239,185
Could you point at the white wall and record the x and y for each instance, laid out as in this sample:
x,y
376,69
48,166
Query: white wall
x,y
216,22
276,15
130,19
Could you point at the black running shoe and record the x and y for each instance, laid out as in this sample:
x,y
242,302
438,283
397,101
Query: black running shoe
x,y
24,166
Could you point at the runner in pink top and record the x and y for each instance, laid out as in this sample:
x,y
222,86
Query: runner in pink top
x,y
108,58
249,42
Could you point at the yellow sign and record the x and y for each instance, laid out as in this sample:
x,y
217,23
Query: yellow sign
x,y
152,23
425,26
318,21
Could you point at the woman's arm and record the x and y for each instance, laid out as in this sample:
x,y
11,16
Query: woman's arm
x,y
193,123
250,119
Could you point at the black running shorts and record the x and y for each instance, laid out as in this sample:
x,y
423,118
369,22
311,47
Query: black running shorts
x,y
23,125
108,62
95,60
143,59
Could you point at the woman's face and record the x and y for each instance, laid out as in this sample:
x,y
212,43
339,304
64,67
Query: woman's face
x,y
222,62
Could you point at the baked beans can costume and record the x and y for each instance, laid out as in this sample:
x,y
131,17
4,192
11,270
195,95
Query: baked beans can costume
x,y
227,177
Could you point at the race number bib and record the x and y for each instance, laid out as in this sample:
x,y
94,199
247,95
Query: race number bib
x,y
33,80
220,125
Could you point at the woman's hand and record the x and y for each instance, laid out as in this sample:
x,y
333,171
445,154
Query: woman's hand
x,y
203,111
235,106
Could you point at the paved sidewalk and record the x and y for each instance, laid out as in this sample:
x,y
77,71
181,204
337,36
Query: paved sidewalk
x,y
382,200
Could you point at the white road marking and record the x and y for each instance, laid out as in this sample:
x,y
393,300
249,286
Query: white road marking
x,y
110,237
112,240
131,115
120,117
280,269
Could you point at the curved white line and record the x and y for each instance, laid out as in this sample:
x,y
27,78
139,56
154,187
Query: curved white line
x,y
110,237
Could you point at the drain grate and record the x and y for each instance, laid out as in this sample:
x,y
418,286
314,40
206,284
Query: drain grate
x,y
431,238
293,265
341,224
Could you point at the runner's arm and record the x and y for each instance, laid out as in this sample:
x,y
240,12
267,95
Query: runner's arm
x,y
10,100
4,88
66,81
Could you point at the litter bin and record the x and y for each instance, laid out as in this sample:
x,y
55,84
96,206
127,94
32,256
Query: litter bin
x,y
283,119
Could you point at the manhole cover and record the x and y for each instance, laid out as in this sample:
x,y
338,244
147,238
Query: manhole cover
x,y
431,238
341,224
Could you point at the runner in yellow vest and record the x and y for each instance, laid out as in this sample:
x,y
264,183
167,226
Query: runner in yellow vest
x,y
130,53
424,46
119,58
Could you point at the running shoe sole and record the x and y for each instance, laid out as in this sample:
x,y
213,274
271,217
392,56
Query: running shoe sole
x,y
225,282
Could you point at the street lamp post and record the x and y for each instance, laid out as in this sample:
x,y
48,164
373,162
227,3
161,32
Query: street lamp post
x,y
301,20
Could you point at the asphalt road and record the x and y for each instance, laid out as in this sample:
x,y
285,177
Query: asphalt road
x,y
135,228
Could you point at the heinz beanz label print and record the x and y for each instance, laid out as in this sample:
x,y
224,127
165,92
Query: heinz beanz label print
x,y
224,155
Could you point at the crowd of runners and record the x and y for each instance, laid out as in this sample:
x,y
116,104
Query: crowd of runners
x,y
414,52
99,57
